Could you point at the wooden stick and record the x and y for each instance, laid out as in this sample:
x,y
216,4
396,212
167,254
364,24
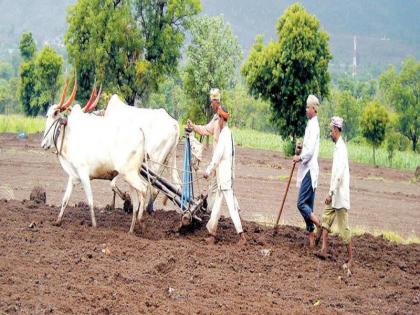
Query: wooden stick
x,y
284,198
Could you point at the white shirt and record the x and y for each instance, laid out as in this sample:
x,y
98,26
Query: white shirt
x,y
340,177
310,152
223,160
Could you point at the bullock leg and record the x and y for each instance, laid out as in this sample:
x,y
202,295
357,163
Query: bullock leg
x,y
153,195
138,207
149,207
135,200
69,189
88,191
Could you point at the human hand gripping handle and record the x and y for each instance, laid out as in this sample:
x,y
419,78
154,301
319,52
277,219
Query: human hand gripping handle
x,y
298,151
190,124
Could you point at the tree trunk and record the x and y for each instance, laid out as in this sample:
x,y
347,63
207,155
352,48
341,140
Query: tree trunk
x,y
374,160
414,143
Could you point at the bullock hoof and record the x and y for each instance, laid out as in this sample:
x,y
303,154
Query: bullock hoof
x,y
149,207
186,219
211,240
142,227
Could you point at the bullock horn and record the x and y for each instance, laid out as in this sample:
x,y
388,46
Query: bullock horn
x,y
92,95
63,95
72,96
95,102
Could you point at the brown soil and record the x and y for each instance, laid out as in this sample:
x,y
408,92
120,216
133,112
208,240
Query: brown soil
x,y
77,269
38,195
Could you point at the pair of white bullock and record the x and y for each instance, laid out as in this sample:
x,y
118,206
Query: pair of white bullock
x,y
115,144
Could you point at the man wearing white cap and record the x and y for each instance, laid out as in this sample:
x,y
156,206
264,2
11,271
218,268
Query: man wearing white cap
x,y
223,161
338,198
211,129
307,176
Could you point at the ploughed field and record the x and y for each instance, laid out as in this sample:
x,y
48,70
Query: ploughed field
x,y
77,269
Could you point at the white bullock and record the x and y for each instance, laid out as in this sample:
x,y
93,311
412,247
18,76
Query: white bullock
x,y
161,133
91,147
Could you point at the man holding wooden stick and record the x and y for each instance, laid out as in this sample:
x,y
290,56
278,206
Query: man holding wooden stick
x,y
307,177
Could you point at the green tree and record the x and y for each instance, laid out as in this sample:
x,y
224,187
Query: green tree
x,y
392,144
8,98
374,124
27,75
285,72
6,70
27,46
170,96
328,110
212,59
129,46
246,111
27,88
349,109
48,67
402,92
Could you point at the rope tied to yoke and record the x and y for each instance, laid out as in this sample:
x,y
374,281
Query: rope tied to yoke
x,y
55,126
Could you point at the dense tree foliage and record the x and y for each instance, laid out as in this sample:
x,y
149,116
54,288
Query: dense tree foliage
x,y
374,125
213,57
48,68
402,93
129,46
39,76
27,46
286,71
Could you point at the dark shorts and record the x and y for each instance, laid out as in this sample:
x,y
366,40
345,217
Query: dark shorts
x,y
305,201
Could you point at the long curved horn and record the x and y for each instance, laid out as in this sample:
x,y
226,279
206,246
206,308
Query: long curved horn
x,y
96,101
92,95
72,96
63,95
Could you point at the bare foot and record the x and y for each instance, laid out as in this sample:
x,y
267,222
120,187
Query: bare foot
x,y
312,240
242,240
318,235
211,240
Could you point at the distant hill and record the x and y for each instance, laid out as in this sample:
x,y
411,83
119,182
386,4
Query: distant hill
x,y
386,30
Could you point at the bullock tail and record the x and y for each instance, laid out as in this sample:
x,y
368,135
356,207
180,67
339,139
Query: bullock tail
x,y
149,207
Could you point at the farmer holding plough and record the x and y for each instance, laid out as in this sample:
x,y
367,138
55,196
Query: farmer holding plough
x,y
223,161
211,129
308,171
338,198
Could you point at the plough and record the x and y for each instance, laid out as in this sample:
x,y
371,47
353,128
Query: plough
x,y
191,208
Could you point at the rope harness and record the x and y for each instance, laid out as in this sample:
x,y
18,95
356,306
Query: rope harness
x,y
55,126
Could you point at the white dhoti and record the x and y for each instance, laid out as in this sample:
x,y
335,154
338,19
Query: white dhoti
x,y
216,211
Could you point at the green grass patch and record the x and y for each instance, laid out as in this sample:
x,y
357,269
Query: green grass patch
x,y
257,140
388,235
20,123
361,153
